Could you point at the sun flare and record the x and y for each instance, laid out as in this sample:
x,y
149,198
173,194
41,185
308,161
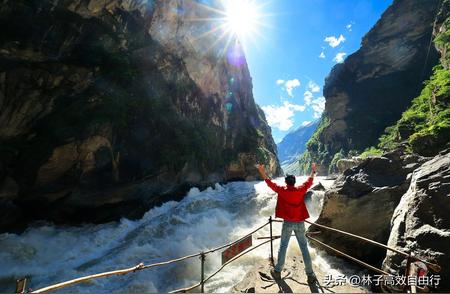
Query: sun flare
x,y
242,17
238,24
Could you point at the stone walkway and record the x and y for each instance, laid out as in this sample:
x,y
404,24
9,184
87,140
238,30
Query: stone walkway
x,y
293,280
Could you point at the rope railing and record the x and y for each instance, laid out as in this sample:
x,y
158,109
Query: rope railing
x,y
142,266
240,239
202,256
308,235
90,277
348,256
435,267
221,268
409,258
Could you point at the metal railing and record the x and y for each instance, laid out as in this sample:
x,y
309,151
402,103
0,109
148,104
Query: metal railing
x,y
21,284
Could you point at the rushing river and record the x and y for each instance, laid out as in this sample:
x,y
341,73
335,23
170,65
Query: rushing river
x,y
47,254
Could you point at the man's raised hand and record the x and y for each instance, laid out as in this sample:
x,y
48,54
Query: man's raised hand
x,y
262,171
260,167
313,169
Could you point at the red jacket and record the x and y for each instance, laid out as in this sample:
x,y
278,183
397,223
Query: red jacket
x,y
290,203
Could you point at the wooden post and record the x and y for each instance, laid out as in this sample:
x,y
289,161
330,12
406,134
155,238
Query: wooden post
x,y
271,241
202,280
21,284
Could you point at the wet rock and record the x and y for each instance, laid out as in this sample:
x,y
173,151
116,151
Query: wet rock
x,y
8,189
421,222
362,201
347,163
318,187
11,216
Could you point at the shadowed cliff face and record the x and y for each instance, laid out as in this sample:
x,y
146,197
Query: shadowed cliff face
x,y
370,90
110,107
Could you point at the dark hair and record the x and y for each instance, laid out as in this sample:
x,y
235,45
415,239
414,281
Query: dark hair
x,y
290,180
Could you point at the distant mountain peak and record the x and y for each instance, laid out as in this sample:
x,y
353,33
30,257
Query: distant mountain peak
x,y
294,143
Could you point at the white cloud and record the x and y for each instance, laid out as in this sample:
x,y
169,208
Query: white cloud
x,y
308,96
281,117
305,123
339,57
350,26
318,106
313,87
316,115
322,55
291,85
333,41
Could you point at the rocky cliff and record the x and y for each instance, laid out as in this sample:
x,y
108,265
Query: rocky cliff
x,y
110,107
362,201
371,89
420,224
401,197
396,199
425,126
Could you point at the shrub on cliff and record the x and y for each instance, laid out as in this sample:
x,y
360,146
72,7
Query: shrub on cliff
x,y
425,125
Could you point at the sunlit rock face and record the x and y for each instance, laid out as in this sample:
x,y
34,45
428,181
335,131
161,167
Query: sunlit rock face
x,y
110,107
372,87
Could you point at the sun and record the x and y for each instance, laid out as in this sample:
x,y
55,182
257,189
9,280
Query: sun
x,y
242,17
232,24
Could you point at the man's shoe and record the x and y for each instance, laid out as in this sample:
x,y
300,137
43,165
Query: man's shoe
x,y
311,278
275,274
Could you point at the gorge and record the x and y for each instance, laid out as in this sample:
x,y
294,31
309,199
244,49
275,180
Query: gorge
x,y
129,133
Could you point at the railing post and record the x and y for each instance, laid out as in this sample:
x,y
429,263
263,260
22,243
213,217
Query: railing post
x,y
271,242
407,273
21,284
202,281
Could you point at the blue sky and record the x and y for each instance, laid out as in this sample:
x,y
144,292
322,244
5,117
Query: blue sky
x,y
288,74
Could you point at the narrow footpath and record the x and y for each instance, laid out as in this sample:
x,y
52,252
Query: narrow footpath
x,y
293,280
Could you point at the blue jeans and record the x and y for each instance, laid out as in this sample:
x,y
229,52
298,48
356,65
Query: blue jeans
x,y
299,230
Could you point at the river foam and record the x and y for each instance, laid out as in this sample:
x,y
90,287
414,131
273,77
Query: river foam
x,y
48,254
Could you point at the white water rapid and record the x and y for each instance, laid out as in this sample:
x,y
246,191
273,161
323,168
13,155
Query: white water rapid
x,y
47,254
